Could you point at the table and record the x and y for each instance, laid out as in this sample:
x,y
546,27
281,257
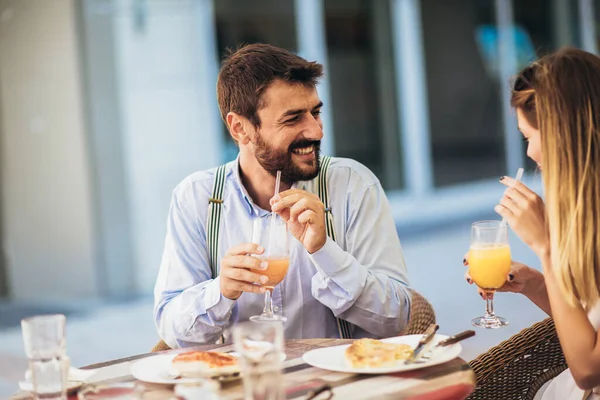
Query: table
x,y
450,381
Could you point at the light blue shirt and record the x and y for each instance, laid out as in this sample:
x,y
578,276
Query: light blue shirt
x,y
361,278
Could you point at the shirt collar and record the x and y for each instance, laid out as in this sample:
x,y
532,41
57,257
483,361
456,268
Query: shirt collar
x,y
237,179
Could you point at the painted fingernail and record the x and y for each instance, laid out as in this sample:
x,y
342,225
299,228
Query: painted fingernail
x,y
481,294
464,261
511,276
264,279
260,249
502,178
264,265
469,281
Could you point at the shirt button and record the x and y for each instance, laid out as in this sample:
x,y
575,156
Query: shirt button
x,y
275,308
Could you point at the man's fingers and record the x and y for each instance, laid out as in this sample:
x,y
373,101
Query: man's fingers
x,y
244,275
287,201
245,248
291,200
307,216
244,262
291,192
239,286
298,208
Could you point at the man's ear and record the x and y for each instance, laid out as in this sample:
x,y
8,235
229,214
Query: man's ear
x,y
237,128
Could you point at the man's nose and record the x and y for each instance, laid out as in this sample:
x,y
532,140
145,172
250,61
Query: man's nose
x,y
314,129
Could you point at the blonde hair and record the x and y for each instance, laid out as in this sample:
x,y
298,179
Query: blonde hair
x,y
560,96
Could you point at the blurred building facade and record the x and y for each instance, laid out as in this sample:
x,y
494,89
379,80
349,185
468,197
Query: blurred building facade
x,y
105,105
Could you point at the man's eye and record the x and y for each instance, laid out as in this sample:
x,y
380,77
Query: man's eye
x,y
293,120
315,113
525,139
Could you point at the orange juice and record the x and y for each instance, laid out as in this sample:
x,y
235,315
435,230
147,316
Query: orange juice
x,y
276,271
489,264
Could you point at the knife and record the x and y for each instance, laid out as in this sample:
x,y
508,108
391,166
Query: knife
x,y
456,338
422,345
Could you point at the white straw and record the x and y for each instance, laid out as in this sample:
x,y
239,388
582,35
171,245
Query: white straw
x,y
277,181
517,180
504,222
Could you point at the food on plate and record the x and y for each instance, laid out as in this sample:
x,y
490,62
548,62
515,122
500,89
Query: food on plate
x,y
369,353
205,364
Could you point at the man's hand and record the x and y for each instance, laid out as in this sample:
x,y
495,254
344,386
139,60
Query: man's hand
x,y
305,216
236,276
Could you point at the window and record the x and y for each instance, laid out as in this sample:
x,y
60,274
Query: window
x,y
363,86
463,87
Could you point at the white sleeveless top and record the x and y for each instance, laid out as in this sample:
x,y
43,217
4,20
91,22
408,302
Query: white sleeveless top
x,y
563,387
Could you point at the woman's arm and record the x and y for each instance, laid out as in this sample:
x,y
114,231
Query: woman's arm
x,y
525,212
578,338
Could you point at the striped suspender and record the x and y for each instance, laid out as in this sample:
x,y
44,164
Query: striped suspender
x,y
214,220
344,327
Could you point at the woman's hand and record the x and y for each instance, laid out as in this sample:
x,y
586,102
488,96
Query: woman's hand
x,y
525,212
521,279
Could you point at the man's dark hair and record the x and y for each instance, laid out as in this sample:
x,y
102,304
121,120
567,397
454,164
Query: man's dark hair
x,y
247,72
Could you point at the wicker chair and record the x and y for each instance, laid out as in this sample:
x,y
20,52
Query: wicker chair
x,y
421,316
518,367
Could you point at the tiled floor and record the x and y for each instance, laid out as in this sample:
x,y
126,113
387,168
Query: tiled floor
x,y
434,259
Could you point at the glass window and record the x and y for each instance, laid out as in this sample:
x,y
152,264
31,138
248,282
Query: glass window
x,y
363,86
547,25
259,21
463,87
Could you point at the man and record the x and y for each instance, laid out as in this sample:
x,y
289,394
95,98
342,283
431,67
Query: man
x,y
268,100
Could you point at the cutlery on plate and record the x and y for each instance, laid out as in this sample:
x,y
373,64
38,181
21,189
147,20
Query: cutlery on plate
x,y
447,342
423,344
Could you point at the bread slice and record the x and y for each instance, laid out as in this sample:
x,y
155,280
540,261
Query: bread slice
x,y
371,353
206,364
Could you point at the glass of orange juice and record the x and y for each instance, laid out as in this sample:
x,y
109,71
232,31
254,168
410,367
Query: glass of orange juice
x,y
275,239
489,265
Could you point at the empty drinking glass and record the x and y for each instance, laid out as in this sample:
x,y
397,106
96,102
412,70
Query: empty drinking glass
x,y
260,346
45,345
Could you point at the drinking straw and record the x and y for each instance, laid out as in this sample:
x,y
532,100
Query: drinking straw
x,y
277,181
504,222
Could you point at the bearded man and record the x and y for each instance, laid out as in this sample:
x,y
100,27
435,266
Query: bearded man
x,y
346,277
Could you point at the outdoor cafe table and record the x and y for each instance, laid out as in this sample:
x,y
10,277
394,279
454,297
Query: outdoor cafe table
x,y
453,380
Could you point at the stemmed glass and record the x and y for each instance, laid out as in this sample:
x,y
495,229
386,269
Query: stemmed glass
x,y
489,265
275,240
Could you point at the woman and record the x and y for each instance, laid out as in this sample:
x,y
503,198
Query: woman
x,y
557,101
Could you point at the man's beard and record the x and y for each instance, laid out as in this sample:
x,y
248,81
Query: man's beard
x,y
273,160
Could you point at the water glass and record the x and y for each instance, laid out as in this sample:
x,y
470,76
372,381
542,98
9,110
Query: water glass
x,y
45,345
260,346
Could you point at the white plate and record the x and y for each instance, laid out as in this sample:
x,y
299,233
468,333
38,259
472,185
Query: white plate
x,y
334,359
158,369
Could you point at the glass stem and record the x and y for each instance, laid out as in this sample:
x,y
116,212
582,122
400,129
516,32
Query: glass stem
x,y
489,307
268,310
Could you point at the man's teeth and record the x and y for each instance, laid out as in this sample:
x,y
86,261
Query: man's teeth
x,y
304,150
